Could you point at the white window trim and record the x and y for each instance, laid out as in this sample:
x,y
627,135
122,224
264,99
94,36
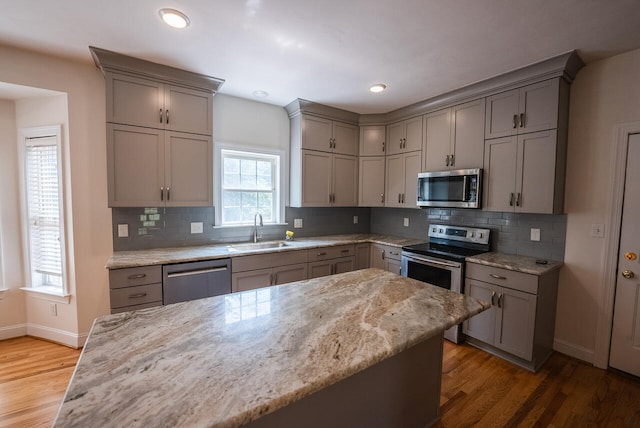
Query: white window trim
x,y
43,292
217,174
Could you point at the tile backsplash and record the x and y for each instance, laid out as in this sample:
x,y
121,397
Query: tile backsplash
x,y
171,227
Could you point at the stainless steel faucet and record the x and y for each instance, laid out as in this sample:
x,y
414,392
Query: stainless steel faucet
x,y
255,226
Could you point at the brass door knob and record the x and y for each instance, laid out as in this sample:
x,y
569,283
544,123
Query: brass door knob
x,y
630,256
628,274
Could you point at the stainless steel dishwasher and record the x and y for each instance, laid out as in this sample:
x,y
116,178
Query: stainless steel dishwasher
x,y
195,280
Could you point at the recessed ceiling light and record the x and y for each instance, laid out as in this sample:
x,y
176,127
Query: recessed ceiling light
x,y
378,87
260,94
174,18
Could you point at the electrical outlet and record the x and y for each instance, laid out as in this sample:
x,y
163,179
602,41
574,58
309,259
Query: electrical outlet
x,y
196,227
355,219
597,230
123,230
297,223
535,234
406,222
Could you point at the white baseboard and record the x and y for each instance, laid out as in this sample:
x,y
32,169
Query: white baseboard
x,y
67,338
12,331
574,350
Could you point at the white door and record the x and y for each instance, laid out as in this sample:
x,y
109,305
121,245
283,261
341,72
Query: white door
x,y
625,334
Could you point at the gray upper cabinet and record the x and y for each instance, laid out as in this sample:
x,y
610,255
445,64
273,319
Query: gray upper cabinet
x,y
531,108
148,103
329,136
454,137
404,136
322,179
372,140
371,181
402,180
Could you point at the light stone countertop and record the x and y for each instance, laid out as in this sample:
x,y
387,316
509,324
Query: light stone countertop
x,y
514,262
226,360
127,259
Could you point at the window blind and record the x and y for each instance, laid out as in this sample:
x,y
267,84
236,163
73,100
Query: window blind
x,y
43,211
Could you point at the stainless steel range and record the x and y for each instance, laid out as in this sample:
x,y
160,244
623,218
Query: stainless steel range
x,y
441,260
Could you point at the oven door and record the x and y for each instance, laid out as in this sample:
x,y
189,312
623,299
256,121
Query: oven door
x,y
442,273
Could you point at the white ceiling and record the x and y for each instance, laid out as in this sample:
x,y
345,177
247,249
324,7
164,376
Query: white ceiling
x,y
331,51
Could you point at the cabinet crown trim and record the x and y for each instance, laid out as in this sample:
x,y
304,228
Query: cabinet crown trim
x,y
300,106
108,61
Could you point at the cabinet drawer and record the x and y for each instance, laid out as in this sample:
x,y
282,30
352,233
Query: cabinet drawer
x,y
129,277
129,296
503,277
327,253
135,307
263,261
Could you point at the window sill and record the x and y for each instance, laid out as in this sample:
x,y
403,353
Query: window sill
x,y
2,291
232,226
46,293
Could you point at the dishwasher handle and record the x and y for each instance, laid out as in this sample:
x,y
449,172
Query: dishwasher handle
x,y
195,272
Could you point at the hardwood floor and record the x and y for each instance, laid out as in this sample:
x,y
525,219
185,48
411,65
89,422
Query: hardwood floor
x,y
33,378
478,389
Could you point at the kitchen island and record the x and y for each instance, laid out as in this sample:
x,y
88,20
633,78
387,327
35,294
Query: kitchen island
x,y
362,348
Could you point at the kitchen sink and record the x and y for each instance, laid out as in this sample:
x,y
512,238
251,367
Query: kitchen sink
x,y
257,246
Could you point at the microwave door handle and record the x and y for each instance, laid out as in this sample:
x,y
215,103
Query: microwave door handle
x,y
465,186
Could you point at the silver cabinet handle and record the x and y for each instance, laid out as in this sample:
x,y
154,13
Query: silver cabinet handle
x,y
382,198
345,251
518,200
447,160
137,295
511,200
137,276
275,278
452,160
500,300
394,254
382,254
493,296
521,120
403,198
195,272
322,254
270,279
515,121
383,148
162,193
160,115
399,194
493,275
168,193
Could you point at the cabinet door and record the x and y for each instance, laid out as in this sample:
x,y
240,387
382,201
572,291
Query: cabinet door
x,y
244,281
412,164
134,101
363,256
536,176
482,325
395,136
320,268
371,181
413,134
316,133
378,257
438,140
372,140
290,273
515,322
345,181
500,174
501,115
394,266
188,110
539,105
188,170
345,138
344,264
468,135
316,178
394,184
135,166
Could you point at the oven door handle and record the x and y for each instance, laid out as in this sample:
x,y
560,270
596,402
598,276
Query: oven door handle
x,y
433,262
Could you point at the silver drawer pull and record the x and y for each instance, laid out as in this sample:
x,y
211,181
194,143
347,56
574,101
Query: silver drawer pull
x,y
196,272
345,251
137,276
394,254
137,295
322,254
493,275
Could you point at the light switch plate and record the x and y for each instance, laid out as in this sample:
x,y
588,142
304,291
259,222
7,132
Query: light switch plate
x,y
355,219
535,234
196,227
597,230
123,230
406,222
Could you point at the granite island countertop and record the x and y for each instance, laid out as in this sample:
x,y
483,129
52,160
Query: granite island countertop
x,y
127,259
514,262
226,360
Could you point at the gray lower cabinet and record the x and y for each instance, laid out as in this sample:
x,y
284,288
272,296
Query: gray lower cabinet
x,y
332,260
263,270
519,325
363,256
386,257
135,288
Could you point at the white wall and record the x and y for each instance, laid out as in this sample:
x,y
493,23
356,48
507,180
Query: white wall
x,y
605,93
91,227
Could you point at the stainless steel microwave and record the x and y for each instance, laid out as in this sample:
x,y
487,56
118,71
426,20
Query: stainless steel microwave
x,y
460,188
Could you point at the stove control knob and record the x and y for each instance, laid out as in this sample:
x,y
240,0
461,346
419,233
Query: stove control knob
x,y
481,235
471,235
441,231
433,229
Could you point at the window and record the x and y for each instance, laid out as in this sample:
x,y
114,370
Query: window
x,y
42,209
250,184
